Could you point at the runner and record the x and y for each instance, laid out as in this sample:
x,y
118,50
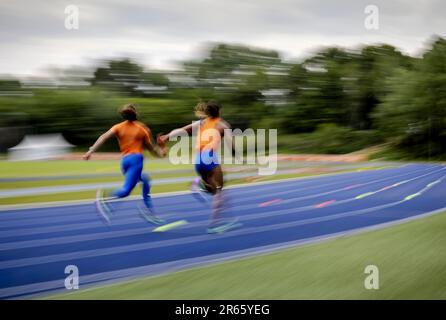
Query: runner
x,y
210,131
132,136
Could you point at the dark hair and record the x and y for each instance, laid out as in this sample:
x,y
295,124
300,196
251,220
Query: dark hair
x,y
212,109
128,112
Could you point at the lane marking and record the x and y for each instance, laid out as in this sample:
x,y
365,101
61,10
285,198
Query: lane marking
x,y
361,196
412,196
170,226
364,195
268,203
293,200
428,186
353,186
324,204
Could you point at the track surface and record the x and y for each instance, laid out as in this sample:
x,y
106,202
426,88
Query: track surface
x,y
37,244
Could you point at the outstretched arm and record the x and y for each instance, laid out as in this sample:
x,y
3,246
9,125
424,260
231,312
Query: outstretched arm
x,y
176,132
99,142
154,150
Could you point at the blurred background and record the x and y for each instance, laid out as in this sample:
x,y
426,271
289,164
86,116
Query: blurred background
x,y
332,78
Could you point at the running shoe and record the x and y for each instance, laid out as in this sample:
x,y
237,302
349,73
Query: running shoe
x,y
102,206
148,215
199,189
234,223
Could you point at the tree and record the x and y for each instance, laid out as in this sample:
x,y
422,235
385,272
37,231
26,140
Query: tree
x,y
125,76
369,72
415,111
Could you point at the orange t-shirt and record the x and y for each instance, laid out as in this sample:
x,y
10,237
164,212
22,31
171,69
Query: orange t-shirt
x,y
209,137
132,135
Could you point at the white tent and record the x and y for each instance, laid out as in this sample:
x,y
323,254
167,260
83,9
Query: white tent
x,y
39,147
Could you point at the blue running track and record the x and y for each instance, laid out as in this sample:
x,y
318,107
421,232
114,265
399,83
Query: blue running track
x,y
37,244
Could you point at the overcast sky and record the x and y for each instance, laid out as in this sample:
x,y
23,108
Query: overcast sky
x,y
158,33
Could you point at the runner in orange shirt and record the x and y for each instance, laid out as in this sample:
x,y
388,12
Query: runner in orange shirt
x,y
211,130
132,136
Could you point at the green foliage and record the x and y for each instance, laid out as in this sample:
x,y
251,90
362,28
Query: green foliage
x,y
329,138
126,78
414,113
223,59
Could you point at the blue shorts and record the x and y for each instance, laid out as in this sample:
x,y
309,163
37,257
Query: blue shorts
x,y
205,161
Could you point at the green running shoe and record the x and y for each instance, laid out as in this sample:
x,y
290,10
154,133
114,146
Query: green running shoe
x,y
148,215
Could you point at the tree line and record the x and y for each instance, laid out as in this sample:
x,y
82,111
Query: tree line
x,y
337,100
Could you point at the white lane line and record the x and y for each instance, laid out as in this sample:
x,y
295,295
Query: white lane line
x,y
74,239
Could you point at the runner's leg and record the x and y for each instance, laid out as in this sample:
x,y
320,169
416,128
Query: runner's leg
x,y
132,167
145,180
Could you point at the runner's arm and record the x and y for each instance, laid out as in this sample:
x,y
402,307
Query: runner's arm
x,y
177,132
99,142
154,150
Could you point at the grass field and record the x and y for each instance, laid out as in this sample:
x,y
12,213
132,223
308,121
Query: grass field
x,y
72,167
410,258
